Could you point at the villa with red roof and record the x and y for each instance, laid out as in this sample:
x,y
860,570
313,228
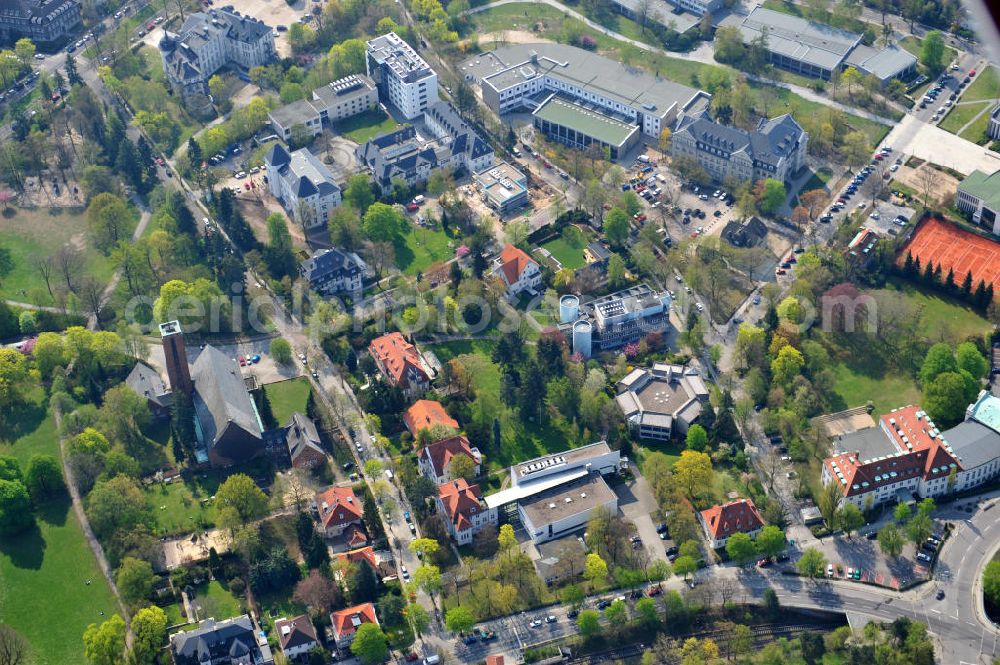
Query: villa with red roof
x,y
362,554
297,636
518,271
345,623
338,509
721,522
434,459
427,414
906,455
400,363
463,510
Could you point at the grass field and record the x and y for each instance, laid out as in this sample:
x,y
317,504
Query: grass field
x,y
568,255
976,132
362,128
178,508
43,572
941,319
215,600
287,397
986,86
420,248
960,115
34,233
886,392
912,44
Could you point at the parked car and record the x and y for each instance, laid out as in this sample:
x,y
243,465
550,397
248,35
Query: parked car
x,y
921,556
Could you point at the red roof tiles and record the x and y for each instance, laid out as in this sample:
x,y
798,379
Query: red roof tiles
x,y
513,261
460,501
346,621
738,516
425,414
338,506
440,453
397,357
366,554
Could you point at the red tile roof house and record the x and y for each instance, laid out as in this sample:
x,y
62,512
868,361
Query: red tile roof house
x,y
426,414
362,555
400,363
494,660
338,508
463,510
345,623
720,522
518,271
434,459
296,635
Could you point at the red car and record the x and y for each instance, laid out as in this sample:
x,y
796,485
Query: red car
x,y
412,656
150,26
159,160
654,591
972,72
412,207
791,258
243,361
640,217
547,164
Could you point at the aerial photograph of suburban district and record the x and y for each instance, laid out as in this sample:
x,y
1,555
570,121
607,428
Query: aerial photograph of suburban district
x,y
499,332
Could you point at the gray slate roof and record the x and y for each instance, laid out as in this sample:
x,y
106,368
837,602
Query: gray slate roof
x,y
395,153
330,263
973,443
773,139
145,381
231,641
221,397
464,138
306,174
302,436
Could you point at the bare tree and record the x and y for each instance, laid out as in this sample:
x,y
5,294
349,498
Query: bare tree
x,y
642,12
380,255
13,647
69,262
45,266
927,177
91,296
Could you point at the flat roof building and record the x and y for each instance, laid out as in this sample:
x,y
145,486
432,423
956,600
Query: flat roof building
x,y
658,399
404,78
619,318
817,49
345,97
526,76
580,126
557,511
979,195
993,130
503,188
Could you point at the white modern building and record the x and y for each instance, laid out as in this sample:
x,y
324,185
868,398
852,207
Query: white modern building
x,y
979,195
558,511
661,399
303,184
210,41
404,79
344,98
614,320
503,188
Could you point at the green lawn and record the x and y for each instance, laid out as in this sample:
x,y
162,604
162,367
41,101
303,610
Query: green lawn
x,y
913,44
419,248
986,86
445,351
363,128
568,255
960,115
215,600
33,233
942,318
287,397
976,132
179,508
856,388
43,572
817,180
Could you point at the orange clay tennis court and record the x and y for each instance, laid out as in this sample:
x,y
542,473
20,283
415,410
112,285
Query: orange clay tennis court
x,y
952,247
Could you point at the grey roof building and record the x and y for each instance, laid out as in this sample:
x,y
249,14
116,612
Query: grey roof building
x,y
993,130
42,21
229,642
227,424
332,271
303,184
524,76
145,381
468,149
614,320
302,438
817,49
301,112
404,78
503,188
776,149
209,41
399,154
660,399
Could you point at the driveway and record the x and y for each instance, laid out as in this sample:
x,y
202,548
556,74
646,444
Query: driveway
x,y
636,502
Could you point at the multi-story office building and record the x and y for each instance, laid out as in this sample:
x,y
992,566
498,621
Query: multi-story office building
x,y
659,400
776,149
503,188
210,41
612,321
44,22
303,184
979,195
403,78
572,90
344,98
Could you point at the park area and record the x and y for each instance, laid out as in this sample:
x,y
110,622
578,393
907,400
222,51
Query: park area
x,y
287,397
363,128
35,233
45,571
953,248
418,248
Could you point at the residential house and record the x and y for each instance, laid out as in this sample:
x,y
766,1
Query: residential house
x,y
463,510
337,509
146,381
427,414
331,271
345,623
433,460
721,522
296,636
230,642
304,447
400,363
518,271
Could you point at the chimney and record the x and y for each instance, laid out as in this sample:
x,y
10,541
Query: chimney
x,y
175,353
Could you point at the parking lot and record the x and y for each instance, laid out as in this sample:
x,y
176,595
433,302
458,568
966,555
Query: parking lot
x,y
265,369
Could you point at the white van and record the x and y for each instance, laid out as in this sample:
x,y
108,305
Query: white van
x,y
418,199
388,475
432,660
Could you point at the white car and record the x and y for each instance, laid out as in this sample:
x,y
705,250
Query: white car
x,y
240,175
894,168
537,623
39,56
875,215
699,307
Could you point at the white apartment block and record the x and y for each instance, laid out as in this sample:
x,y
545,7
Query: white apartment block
x,y
404,79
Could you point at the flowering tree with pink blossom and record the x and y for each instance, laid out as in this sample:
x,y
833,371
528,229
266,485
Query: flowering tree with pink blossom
x,y
631,350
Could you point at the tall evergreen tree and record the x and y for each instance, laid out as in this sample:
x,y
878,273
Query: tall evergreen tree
x,y
194,153
72,75
949,281
967,285
929,273
908,264
979,299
